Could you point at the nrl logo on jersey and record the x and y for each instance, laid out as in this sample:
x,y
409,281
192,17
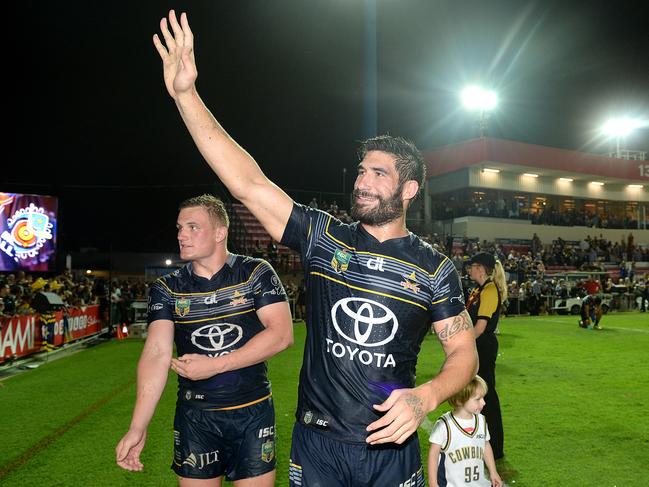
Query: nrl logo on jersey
x,y
340,261
410,282
237,299
182,306
268,451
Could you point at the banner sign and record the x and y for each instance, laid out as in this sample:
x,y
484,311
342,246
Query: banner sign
x,y
23,335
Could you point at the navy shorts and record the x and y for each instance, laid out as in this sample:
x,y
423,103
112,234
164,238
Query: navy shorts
x,y
238,443
319,461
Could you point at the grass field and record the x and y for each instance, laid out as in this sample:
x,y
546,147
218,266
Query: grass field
x,y
574,404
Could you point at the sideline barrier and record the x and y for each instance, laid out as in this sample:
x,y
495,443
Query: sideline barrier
x,y
24,335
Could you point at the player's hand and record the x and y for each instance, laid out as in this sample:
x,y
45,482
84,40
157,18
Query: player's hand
x,y
127,452
178,62
194,366
405,412
496,481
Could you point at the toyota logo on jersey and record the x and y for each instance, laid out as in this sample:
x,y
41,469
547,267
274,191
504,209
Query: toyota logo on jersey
x,y
216,338
364,322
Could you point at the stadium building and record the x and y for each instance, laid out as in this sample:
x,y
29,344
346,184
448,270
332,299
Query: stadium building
x,y
495,189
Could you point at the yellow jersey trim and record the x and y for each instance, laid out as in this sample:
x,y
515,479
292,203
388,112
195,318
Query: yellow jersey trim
x,y
229,408
212,318
368,290
210,292
383,255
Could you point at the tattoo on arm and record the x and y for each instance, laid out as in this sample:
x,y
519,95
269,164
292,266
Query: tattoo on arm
x,y
460,323
416,404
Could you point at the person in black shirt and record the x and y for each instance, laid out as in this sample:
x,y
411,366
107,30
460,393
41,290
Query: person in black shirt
x,y
484,305
373,291
227,314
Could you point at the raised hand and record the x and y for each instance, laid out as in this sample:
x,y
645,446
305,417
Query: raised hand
x,y
178,62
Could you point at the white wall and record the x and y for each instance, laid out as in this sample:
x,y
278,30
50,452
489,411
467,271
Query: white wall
x,y
492,228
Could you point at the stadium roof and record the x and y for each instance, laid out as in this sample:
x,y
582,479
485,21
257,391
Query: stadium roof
x,y
508,155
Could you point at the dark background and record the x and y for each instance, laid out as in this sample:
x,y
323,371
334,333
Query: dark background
x,y
91,122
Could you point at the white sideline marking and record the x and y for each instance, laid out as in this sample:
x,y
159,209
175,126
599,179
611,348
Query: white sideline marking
x,y
639,330
630,329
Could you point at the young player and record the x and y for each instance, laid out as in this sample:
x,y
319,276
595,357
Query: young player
x,y
227,314
459,443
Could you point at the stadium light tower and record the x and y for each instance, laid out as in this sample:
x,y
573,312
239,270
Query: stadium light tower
x,y
620,128
482,101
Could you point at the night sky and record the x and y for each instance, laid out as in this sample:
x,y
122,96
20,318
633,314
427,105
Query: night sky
x,y
93,124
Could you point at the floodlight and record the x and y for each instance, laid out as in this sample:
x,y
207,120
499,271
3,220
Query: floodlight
x,y
530,175
621,127
569,180
168,262
477,98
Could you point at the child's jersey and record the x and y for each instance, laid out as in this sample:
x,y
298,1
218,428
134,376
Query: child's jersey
x,y
461,460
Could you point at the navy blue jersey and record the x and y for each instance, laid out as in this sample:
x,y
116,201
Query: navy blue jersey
x,y
370,305
217,316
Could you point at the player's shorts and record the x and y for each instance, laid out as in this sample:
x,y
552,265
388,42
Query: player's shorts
x,y
238,443
588,316
317,460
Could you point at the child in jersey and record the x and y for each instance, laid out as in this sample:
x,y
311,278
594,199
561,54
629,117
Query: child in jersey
x,y
459,443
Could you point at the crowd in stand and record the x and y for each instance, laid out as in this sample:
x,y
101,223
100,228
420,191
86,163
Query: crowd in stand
x,y
332,208
17,292
531,287
545,215
526,271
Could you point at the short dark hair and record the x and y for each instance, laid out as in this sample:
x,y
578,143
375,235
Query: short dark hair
x,y
214,206
409,164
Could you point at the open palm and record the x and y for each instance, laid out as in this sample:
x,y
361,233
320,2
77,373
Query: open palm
x,y
177,56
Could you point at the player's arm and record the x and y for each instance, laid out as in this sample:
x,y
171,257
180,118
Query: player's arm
x,y
490,461
231,163
433,462
276,336
480,326
152,372
586,313
406,408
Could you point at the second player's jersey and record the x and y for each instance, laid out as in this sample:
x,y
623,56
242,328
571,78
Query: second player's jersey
x,y
218,316
370,305
461,460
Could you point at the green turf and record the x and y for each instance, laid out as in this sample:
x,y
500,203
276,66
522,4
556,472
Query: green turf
x,y
573,405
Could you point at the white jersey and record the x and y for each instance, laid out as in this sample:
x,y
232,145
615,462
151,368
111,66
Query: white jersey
x,y
463,443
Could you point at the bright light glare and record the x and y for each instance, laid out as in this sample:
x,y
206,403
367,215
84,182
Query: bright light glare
x,y
620,127
88,271
168,262
636,186
597,183
476,98
530,175
488,169
569,180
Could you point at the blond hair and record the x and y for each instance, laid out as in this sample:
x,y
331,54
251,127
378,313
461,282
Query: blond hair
x,y
460,398
499,279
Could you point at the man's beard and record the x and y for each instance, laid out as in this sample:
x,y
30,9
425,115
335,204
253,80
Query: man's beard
x,y
387,210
